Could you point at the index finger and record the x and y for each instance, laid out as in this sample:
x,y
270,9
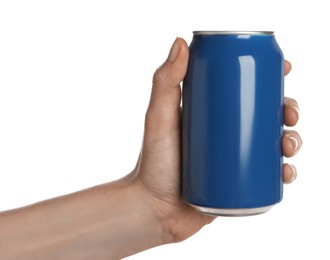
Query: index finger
x,y
287,67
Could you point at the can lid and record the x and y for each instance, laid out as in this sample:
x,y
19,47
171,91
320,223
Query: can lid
x,y
233,32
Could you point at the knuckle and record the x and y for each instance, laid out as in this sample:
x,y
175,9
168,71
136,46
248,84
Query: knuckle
x,y
289,133
290,101
158,77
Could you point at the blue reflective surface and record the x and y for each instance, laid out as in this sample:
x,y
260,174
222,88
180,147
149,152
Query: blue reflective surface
x,y
232,122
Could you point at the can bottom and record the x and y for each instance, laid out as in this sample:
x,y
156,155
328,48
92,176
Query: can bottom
x,y
232,212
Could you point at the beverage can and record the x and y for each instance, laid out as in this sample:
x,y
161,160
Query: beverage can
x,y
232,123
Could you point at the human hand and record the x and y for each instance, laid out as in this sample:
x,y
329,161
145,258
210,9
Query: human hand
x,y
140,211
157,174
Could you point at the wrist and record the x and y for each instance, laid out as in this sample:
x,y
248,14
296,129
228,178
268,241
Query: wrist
x,y
135,227
177,220
159,211
153,209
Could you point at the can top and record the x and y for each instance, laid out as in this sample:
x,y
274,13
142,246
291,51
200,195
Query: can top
x,y
233,32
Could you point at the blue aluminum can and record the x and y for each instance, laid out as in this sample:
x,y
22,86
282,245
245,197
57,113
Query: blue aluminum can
x,y
232,123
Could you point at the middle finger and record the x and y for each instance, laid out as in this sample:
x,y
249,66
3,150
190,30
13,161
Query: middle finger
x,y
291,143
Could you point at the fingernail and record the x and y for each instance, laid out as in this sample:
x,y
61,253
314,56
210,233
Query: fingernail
x,y
296,108
294,172
294,142
174,51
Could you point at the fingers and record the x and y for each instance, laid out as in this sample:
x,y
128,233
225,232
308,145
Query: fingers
x,y
289,173
291,112
287,67
291,143
164,105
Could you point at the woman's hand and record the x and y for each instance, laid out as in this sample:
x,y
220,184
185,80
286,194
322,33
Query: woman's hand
x,y
157,174
144,209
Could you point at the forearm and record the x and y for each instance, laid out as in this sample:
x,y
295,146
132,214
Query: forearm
x,y
105,222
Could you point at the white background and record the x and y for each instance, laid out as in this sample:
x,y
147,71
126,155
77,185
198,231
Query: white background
x,y
75,79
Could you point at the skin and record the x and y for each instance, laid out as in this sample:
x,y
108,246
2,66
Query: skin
x,y
140,211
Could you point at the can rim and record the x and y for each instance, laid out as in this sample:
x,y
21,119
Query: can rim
x,y
233,32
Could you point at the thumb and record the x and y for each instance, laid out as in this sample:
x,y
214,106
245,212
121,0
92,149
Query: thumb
x,y
164,106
